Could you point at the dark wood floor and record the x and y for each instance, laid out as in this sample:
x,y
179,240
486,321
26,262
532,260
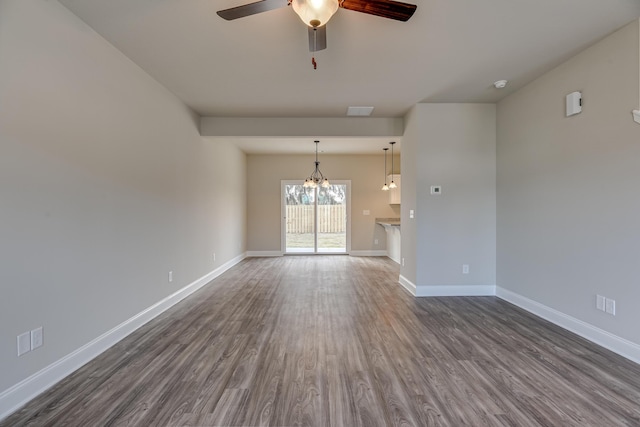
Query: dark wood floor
x,y
334,340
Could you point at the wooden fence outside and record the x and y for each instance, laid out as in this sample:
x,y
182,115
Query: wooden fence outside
x,y
300,219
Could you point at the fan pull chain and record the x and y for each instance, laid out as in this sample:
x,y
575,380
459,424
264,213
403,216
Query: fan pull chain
x,y
315,48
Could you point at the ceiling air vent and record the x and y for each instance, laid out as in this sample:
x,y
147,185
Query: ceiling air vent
x,y
359,111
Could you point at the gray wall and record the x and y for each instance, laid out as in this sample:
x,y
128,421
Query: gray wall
x,y
105,186
366,172
451,145
408,229
568,204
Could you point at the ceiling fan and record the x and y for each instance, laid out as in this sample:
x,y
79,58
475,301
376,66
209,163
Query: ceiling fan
x,y
316,13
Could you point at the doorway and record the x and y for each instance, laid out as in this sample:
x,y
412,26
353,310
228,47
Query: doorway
x,y
316,220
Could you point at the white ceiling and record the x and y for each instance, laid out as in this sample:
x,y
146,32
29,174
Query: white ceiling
x,y
259,66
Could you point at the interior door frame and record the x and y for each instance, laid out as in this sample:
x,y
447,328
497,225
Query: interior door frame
x,y
283,220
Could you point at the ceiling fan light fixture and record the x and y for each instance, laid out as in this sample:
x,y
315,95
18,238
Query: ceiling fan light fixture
x,y
315,13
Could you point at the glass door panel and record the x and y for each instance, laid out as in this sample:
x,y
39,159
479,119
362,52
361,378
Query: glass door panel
x,y
332,219
300,219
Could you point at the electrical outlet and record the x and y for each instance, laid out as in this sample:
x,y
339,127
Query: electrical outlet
x,y
600,302
465,268
366,212
610,305
403,261
37,337
411,213
170,276
24,343
375,242
214,257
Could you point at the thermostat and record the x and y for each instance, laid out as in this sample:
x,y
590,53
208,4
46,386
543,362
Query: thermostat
x,y
574,103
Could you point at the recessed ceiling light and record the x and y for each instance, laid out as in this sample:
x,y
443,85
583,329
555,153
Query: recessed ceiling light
x,y
359,111
500,84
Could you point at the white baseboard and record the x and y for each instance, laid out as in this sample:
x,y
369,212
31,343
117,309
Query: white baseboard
x,y
456,291
447,291
368,253
257,254
618,345
19,394
408,285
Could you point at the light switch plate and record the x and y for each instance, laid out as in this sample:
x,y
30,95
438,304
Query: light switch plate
x,y
36,338
366,212
24,343
600,302
610,305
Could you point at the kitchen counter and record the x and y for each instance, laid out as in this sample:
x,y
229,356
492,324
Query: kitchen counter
x,y
392,227
388,222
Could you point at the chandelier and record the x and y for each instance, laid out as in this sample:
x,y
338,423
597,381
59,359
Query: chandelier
x,y
316,178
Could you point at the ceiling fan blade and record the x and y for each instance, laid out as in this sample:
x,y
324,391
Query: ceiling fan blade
x,y
251,9
384,8
317,38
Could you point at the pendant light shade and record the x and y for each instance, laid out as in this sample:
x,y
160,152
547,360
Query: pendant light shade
x,y
316,178
385,187
315,13
393,184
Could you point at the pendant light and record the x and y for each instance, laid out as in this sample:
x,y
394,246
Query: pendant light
x,y
316,176
393,184
385,187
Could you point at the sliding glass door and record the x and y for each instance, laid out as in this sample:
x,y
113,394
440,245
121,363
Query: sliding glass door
x,y
315,220
300,218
